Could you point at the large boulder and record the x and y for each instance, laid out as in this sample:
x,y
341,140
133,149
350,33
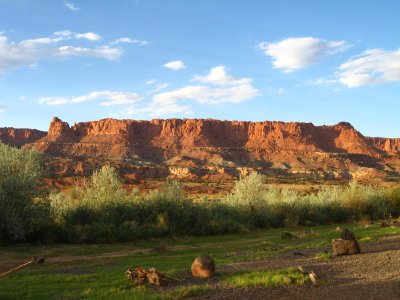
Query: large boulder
x,y
203,266
342,247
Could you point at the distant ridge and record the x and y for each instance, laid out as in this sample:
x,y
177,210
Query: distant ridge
x,y
207,148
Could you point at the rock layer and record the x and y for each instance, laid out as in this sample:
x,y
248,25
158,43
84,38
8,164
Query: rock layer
x,y
19,137
211,149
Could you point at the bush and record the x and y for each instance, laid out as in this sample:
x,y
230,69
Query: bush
x,y
22,204
102,211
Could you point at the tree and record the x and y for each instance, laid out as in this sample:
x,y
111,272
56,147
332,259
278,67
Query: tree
x,y
21,172
105,187
248,191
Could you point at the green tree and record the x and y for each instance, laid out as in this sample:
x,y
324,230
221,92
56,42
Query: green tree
x,y
21,172
105,187
248,191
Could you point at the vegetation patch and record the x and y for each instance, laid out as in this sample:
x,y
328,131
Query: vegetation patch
x,y
323,256
267,278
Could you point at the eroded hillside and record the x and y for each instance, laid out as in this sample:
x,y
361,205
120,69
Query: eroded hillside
x,y
207,149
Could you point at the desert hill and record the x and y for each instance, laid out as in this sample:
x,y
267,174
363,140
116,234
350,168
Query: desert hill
x,y
210,149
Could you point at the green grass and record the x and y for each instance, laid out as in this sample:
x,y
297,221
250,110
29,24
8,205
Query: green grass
x,y
267,278
97,271
323,256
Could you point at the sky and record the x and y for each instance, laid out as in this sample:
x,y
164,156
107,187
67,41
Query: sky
x,y
285,60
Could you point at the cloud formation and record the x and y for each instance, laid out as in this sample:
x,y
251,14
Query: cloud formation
x,y
108,98
217,87
298,53
219,76
374,66
175,65
2,108
91,36
220,88
127,40
29,52
71,6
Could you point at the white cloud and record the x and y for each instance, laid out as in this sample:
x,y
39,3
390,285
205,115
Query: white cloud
x,y
31,51
91,36
71,6
219,87
101,52
151,81
158,87
2,108
127,40
224,89
208,95
175,65
108,98
219,76
323,81
374,66
298,53
63,33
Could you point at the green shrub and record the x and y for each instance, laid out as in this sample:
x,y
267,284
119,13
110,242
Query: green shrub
x,y
22,204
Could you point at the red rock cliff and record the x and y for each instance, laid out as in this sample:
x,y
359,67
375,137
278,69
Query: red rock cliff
x,y
179,133
203,148
388,145
19,137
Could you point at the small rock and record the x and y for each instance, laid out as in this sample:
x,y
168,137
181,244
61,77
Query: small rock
x,y
338,229
298,253
203,266
342,247
313,277
301,270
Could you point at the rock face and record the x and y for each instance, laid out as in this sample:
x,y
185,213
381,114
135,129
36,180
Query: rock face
x,y
20,137
210,149
391,146
203,266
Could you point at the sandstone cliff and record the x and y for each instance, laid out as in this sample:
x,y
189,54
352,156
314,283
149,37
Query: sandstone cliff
x,y
20,137
212,149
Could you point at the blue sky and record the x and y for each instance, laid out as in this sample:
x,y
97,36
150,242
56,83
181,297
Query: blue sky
x,y
310,61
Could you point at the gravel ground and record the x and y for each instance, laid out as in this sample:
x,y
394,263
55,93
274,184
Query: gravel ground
x,y
374,274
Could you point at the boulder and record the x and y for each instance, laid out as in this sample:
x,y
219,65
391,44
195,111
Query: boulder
x,y
348,235
342,247
203,266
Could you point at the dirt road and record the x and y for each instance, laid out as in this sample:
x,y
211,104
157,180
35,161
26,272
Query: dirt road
x,y
374,274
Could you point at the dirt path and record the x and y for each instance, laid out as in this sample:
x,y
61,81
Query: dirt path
x,y
374,274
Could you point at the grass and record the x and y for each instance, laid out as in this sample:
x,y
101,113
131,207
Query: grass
x,y
97,271
267,278
323,256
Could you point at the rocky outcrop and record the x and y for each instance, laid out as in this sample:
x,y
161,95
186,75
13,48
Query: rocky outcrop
x,y
175,134
387,145
19,137
213,149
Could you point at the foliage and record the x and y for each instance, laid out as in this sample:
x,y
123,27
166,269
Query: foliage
x,y
22,204
102,211
267,278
